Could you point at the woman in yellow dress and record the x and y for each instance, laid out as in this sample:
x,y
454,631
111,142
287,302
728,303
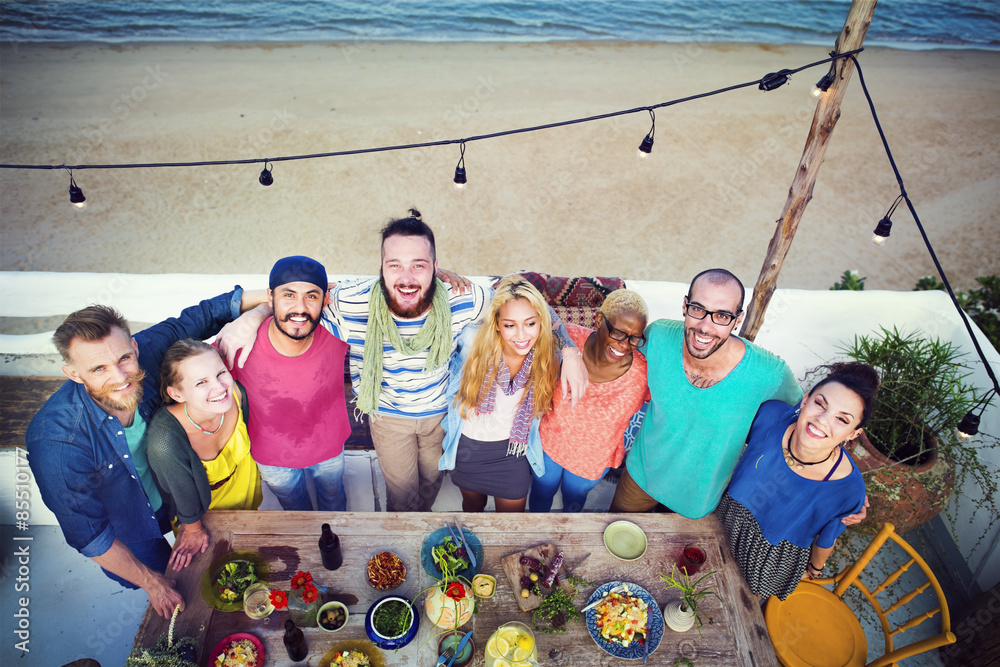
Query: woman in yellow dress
x,y
197,444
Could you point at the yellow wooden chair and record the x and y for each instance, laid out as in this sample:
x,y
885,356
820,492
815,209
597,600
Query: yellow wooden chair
x,y
814,627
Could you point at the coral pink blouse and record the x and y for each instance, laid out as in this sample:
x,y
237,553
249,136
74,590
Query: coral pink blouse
x,y
590,438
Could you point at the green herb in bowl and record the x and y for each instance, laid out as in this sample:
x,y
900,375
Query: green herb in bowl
x,y
392,619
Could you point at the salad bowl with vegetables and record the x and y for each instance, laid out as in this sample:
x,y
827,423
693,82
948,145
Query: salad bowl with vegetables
x,y
229,576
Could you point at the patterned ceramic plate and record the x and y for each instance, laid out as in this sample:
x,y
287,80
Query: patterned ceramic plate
x,y
654,621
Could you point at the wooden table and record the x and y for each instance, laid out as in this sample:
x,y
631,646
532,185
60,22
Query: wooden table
x,y
288,541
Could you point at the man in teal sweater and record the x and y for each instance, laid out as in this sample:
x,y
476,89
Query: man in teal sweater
x,y
706,385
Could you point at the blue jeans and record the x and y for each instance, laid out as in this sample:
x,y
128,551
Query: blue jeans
x,y
574,488
289,485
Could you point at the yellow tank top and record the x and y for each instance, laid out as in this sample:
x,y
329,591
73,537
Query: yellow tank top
x,y
233,475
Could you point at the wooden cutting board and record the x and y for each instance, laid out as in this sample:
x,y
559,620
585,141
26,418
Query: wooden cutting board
x,y
514,570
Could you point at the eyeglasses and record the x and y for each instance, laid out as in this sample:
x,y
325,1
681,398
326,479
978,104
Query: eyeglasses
x,y
698,312
618,335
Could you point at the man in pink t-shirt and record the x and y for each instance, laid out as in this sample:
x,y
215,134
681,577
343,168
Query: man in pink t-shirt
x,y
298,412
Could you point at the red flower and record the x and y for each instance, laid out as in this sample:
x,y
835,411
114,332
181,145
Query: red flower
x,y
455,591
279,599
300,579
309,593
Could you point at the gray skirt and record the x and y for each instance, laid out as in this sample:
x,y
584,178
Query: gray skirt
x,y
487,468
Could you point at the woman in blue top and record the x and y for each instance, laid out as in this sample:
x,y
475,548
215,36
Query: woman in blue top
x,y
795,482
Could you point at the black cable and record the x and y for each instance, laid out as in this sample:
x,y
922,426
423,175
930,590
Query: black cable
x,y
444,142
923,234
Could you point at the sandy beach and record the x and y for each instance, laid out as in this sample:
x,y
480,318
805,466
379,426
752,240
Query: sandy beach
x,y
568,201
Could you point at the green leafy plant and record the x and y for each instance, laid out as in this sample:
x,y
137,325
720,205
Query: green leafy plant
x,y
691,593
850,280
924,392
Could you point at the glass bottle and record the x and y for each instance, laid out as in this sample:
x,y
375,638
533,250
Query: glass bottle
x,y
329,549
295,642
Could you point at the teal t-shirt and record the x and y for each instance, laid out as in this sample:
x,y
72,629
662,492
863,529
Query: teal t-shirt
x,y
135,435
691,438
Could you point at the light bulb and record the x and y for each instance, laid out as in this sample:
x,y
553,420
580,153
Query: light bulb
x,y
969,426
881,233
460,181
645,148
76,197
817,91
265,177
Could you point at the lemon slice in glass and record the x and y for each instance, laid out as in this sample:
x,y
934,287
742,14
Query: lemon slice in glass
x,y
497,647
510,635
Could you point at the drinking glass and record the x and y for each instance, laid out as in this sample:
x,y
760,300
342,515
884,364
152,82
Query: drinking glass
x,y
257,601
691,559
514,642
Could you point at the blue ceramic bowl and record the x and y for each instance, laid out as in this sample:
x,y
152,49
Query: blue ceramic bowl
x,y
436,538
391,643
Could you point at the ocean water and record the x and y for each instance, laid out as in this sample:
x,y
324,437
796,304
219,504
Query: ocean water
x,y
898,23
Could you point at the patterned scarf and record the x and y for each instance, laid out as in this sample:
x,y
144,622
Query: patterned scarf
x,y
434,336
522,418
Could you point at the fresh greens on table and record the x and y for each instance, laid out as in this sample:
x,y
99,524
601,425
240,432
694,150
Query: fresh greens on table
x,y
455,557
234,578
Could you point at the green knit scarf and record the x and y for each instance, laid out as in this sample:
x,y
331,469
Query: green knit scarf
x,y
434,336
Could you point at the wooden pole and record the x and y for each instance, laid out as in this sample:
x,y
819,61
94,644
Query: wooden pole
x,y
852,36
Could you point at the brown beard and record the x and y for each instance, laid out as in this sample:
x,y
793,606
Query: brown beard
x,y
419,309
102,395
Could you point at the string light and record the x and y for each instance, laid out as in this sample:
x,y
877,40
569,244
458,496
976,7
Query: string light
x,y
460,180
76,197
775,79
969,425
824,84
884,227
828,79
646,147
265,176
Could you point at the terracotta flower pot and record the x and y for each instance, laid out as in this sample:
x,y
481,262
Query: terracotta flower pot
x,y
905,495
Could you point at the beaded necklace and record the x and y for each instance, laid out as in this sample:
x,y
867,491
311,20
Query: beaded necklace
x,y
221,422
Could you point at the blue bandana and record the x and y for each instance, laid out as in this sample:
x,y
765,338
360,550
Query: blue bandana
x,y
298,269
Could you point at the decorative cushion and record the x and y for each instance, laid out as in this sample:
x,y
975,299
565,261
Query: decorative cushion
x,y
586,293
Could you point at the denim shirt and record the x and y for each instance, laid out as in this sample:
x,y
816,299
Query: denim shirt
x,y
78,453
453,421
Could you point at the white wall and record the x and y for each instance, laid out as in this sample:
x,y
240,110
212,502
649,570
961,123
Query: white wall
x,y
806,328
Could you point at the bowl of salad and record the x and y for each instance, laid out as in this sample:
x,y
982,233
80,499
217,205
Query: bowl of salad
x,y
624,620
439,546
226,579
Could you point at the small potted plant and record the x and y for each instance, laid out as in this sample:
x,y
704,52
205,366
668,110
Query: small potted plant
x,y
681,615
909,453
